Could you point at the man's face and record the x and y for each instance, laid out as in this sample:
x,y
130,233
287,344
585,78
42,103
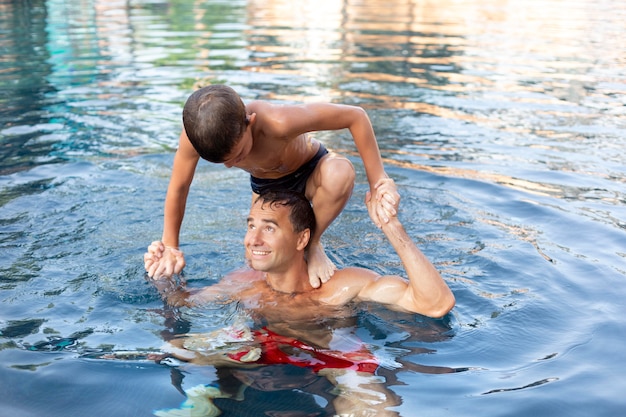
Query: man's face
x,y
271,243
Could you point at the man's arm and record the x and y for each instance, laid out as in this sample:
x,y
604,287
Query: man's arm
x,y
176,294
426,292
173,293
166,257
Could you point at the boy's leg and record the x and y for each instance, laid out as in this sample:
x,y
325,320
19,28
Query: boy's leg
x,y
328,188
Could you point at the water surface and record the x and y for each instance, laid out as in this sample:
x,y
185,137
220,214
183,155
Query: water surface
x,y
501,121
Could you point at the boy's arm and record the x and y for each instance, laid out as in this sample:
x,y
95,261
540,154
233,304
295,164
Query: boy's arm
x,y
166,258
311,117
326,116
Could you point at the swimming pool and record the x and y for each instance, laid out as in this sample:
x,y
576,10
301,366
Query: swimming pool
x,y
501,122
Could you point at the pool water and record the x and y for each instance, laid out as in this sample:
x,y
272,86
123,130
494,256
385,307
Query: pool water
x,y
502,123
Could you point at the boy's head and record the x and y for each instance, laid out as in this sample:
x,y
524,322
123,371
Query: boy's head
x,y
215,119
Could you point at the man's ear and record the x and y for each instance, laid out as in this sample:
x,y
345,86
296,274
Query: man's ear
x,y
303,239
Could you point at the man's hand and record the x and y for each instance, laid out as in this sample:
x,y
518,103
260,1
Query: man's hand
x,y
383,201
163,261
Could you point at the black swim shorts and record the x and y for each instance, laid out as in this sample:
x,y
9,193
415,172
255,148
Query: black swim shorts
x,y
296,181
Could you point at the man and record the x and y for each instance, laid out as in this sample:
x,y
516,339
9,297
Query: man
x,y
280,225
276,292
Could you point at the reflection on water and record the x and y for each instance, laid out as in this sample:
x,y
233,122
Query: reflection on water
x,y
501,122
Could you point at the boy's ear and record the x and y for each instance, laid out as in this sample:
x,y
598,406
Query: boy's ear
x,y
303,239
251,119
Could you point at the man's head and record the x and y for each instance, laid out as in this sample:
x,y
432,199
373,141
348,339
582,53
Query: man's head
x,y
280,226
215,119
301,213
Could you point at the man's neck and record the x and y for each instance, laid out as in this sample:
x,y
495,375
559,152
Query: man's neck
x,y
290,282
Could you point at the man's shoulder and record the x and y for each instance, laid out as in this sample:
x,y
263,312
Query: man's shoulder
x,y
345,285
354,276
353,271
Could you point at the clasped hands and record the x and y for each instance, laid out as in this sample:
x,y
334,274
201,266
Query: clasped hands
x,y
382,204
163,261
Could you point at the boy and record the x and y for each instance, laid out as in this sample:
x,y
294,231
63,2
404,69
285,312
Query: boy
x,y
270,142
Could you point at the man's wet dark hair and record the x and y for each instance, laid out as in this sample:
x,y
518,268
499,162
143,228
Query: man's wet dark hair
x,y
215,119
301,213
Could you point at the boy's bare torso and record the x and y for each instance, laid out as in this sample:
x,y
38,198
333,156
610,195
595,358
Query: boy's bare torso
x,y
275,151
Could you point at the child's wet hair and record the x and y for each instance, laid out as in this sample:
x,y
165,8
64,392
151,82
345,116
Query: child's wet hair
x,y
215,119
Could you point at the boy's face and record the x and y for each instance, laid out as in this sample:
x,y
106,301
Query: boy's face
x,y
241,150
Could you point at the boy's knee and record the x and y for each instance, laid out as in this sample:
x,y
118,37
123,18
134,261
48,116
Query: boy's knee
x,y
339,174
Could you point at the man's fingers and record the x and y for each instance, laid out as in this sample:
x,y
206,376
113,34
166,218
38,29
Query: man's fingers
x,y
389,208
178,267
160,270
152,271
156,246
169,269
382,214
391,198
148,265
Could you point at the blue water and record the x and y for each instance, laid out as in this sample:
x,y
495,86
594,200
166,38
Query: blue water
x,y
502,123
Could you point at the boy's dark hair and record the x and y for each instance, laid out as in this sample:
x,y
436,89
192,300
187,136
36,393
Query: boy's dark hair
x,y
301,213
214,118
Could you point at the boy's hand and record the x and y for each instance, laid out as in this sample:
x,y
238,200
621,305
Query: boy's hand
x,y
383,201
163,261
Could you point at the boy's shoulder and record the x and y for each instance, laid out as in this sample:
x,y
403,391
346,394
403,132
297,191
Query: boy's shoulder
x,y
272,121
258,106
271,110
